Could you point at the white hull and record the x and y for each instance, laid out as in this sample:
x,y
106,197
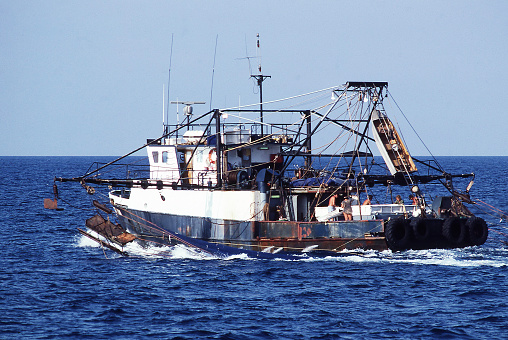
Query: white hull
x,y
216,204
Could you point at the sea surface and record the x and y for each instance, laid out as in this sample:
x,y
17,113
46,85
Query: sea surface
x,y
55,284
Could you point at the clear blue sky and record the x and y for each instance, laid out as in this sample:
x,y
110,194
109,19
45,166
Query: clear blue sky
x,y
85,77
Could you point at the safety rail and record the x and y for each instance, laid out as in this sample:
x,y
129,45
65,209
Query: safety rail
x,y
123,170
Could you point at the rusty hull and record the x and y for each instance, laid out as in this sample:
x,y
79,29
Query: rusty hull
x,y
331,236
288,244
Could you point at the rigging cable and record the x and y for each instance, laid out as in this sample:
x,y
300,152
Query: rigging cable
x,y
280,100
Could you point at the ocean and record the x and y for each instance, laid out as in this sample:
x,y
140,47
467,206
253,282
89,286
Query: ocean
x,y
56,284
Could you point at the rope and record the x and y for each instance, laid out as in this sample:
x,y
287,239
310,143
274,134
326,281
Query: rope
x,y
499,211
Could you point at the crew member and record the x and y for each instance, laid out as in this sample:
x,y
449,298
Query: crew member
x,y
368,201
348,211
413,199
398,200
332,204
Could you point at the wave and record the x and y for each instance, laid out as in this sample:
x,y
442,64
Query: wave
x,y
136,249
465,257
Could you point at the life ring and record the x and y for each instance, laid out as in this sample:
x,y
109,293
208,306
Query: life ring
x,y
398,234
212,157
478,230
454,231
421,230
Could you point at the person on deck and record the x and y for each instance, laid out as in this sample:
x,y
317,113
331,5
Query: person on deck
x,y
413,199
348,211
332,203
368,201
398,200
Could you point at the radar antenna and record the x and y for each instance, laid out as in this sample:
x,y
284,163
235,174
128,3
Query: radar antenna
x,y
187,110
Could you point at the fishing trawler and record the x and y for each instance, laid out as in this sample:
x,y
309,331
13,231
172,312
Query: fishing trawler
x,y
267,189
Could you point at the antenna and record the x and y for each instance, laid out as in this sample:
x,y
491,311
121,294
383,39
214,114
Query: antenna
x,y
163,110
258,54
169,81
260,79
213,71
177,118
247,55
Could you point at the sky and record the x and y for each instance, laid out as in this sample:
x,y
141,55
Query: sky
x,y
86,77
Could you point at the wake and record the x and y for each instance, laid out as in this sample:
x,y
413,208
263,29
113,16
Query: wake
x,y
485,255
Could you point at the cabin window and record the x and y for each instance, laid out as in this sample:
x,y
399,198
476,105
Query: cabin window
x,y
164,156
155,156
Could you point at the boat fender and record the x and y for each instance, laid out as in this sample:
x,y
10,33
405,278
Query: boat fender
x,y
144,184
421,230
398,234
478,230
454,231
160,185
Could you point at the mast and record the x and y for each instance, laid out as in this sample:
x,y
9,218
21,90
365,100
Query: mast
x,y
164,127
308,159
260,79
218,151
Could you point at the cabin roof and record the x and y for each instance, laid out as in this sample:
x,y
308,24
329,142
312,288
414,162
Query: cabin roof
x,y
366,84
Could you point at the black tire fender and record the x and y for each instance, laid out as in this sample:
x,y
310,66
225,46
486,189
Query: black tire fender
x,y
398,234
454,231
478,230
421,230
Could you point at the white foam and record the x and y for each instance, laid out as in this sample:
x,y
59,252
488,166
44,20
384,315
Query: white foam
x,y
466,257
181,251
83,241
239,257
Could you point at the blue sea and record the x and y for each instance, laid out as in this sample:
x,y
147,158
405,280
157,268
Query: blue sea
x,y
55,284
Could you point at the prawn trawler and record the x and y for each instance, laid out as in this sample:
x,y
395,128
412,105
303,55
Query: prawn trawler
x,y
270,189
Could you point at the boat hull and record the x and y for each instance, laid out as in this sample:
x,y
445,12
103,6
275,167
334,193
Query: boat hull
x,y
260,236
227,237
